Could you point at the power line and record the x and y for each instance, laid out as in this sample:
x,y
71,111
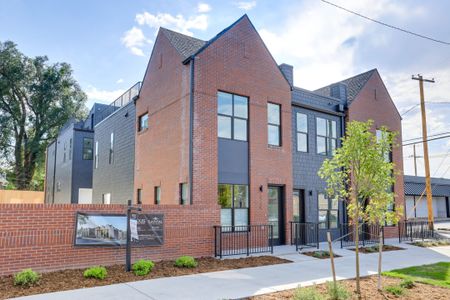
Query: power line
x,y
388,25
433,135
427,140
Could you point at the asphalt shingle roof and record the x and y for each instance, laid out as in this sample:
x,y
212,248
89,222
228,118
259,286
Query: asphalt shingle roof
x,y
415,185
354,85
185,45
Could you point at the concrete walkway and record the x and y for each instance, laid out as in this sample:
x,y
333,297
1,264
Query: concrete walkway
x,y
234,284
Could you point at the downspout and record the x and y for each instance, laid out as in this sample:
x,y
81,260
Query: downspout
x,y
344,210
191,130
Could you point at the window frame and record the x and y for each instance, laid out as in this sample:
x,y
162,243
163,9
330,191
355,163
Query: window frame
x,y
96,155
111,148
139,196
305,133
233,117
329,139
184,201
328,211
232,208
269,124
140,127
87,148
157,194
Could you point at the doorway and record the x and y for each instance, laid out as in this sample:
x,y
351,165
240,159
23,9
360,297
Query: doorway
x,y
275,214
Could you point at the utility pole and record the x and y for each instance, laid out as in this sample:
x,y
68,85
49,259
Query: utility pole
x,y
425,149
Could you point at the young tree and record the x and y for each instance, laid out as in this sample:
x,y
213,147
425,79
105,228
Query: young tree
x,y
359,173
36,99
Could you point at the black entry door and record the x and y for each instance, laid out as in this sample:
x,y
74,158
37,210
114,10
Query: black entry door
x,y
275,213
299,230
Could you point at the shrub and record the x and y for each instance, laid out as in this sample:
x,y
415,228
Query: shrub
x,y
96,272
26,277
407,284
309,293
337,292
143,267
185,262
321,254
395,290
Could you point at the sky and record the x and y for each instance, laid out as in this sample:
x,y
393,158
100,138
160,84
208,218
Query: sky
x,y
108,44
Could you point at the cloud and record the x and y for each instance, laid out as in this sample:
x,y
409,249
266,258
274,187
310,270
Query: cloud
x,y
246,5
134,39
178,23
104,96
119,80
203,7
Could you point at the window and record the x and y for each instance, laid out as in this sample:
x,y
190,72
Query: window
x,y
106,198
64,156
232,116
328,212
302,132
326,136
296,206
184,193
70,149
111,148
143,122
87,148
96,155
233,200
157,195
139,196
274,124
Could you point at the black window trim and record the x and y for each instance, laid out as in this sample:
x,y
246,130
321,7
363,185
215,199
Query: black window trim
x,y
302,132
232,208
186,202
328,138
156,201
84,147
140,129
280,139
232,116
328,210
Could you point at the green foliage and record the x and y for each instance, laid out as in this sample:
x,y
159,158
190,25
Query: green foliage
x,y
395,290
37,99
143,267
26,278
435,274
185,262
321,254
337,291
96,272
407,284
308,293
426,244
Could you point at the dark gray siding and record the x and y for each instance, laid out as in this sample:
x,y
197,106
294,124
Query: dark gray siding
x,y
306,165
116,178
233,161
82,168
49,172
63,174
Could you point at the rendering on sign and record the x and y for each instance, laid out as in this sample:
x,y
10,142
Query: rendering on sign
x,y
100,230
150,229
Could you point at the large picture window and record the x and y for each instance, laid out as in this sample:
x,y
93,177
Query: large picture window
x,y
87,148
232,116
328,212
233,200
302,132
274,124
326,136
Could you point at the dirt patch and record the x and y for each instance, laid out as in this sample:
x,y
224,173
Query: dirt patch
x,y
73,279
374,249
320,254
369,291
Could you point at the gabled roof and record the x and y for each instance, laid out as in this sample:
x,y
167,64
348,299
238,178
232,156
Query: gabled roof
x,y
185,45
354,85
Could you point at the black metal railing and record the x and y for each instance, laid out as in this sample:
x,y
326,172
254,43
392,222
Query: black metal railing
x,y
415,230
242,240
121,101
304,234
368,234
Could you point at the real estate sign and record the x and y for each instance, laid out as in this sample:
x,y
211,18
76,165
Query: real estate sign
x,y
150,229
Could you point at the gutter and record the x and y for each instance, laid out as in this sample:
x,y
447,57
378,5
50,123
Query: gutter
x,y
191,129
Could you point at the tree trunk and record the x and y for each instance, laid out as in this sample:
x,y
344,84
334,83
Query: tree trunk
x,y
380,253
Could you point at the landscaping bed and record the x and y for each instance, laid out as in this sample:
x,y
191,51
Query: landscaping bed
x,y
320,254
374,249
74,279
427,244
369,291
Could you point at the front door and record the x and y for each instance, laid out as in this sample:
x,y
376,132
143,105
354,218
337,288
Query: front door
x,y
275,214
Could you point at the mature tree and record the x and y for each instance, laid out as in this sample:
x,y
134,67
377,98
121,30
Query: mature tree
x,y
359,173
36,99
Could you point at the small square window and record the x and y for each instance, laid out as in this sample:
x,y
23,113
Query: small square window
x,y
143,122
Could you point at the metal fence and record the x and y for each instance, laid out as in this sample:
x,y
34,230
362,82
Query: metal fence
x,y
242,240
304,234
415,230
368,234
121,101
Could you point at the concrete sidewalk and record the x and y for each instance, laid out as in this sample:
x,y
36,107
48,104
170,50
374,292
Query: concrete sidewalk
x,y
234,284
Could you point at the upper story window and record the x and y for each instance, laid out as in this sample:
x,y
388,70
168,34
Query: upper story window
x,y
232,116
111,148
184,193
143,122
70,149
302,132
64,154
326,136
87,148
157,195
274,124
96,155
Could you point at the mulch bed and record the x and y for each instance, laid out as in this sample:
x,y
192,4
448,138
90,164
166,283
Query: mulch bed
x,y
386,248
73,279
311,253
369,291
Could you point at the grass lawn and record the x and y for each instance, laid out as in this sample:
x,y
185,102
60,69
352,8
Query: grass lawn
x,y
436,274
